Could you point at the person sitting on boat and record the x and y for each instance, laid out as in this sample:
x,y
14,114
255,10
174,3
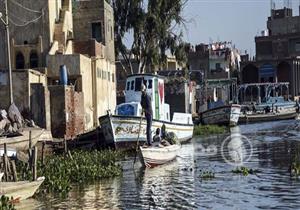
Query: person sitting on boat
x,y
147,109
156,137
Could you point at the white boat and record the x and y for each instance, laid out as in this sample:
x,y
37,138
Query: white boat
x,y
223,115
121,130
21,142
154,156
20,190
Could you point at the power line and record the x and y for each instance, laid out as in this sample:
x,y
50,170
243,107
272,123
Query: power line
x,y
28,9
26,23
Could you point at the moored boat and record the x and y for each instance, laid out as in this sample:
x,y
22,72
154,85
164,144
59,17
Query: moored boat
x,y
223,115
20,190
21,142
265,107
154,156
252,118
121,130
220,108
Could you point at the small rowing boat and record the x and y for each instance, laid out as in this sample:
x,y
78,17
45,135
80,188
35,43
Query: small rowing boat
x,y
20,190
154,156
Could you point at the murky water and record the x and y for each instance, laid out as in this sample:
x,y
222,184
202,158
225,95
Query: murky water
x,y
178,185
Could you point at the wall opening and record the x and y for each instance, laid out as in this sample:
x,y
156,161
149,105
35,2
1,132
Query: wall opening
x,y
20,62
34,59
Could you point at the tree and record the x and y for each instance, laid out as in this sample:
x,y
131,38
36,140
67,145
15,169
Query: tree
x,y
153,26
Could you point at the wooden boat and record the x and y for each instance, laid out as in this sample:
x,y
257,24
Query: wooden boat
x,y
264,107
121,130
219,109
154,156
20,190
21,142
223,115
252,118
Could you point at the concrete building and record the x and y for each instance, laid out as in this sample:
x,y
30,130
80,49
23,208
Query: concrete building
x,y
43,39
215,60
277,52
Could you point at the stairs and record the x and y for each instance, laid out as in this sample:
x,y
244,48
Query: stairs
x,y
59,34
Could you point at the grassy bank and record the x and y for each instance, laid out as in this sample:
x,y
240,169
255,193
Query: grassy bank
x,y
61,171
205,130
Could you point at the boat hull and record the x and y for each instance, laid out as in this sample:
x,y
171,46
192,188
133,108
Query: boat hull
x,y
20,190
224,115
121,132
155,156
21,143
253,118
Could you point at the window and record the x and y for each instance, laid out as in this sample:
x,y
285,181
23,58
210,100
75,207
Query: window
x,y
103,74
20,63
128,85
297,46
150,84
111,33
98,72
218,66
138,84
113,77
97,31
34,59
108,76
132,85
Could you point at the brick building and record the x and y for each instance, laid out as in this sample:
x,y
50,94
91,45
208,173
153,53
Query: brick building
x,y
46,34
277,52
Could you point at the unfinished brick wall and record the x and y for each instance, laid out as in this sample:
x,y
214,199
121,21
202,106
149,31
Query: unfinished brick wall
x,y
67,112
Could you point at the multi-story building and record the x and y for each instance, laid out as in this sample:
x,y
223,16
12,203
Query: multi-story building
x,y
277,52
46,34
216,60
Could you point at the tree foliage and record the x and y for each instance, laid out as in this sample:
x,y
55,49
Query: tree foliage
x,y
154,29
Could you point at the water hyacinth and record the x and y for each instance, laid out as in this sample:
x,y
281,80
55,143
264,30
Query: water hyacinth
x,y
61,171
205,130
244,170
7,203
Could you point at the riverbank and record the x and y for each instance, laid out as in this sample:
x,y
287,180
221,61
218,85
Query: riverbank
x,y
206,130
60,171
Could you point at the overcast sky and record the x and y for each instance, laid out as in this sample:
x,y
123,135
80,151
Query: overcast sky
x,y
238,21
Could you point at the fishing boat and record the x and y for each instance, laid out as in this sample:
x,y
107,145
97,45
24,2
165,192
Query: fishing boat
x,y
21,141
20,190
252,118
121,129
154,156
268,104
223,115
220,108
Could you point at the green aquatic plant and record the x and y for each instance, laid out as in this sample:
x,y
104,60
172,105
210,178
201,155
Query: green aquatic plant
x,y
207,175
7,203
61,171
244,170
205,130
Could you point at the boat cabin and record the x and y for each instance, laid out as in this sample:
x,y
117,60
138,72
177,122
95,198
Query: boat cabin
x,y
155,88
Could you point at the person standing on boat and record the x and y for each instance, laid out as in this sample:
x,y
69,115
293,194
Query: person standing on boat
x,y
147,109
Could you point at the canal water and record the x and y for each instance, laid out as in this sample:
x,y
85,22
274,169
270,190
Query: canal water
x,y
179,185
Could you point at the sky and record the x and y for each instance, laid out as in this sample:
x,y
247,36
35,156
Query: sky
x,y
238,21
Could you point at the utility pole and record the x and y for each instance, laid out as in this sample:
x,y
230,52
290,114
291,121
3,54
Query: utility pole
x,y
6,23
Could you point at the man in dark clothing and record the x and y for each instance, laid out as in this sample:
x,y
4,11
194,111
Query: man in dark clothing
x,y
147,107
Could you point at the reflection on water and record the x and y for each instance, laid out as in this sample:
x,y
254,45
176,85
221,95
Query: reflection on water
x,y
178,185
